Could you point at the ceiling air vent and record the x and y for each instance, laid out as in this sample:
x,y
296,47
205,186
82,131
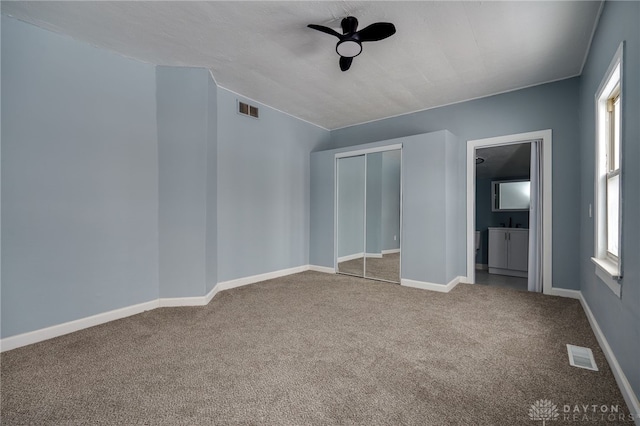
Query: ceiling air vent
x,y
246,109
581,357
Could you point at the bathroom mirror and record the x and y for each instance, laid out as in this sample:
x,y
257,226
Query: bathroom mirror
x,y
511,195
368,215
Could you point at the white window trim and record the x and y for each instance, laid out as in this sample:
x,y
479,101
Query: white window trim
x,y
607,271
608,268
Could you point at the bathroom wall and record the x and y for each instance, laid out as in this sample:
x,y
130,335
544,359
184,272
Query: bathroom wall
x,y
486,218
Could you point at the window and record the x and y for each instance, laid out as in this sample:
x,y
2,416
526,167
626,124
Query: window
x,y
607,256
612,125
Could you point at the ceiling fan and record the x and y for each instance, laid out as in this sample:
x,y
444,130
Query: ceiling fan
x,y
350,41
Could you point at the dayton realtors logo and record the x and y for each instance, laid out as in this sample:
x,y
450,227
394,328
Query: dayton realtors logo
x,y
545,410
595,413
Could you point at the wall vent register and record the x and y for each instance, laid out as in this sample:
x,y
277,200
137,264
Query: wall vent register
x,y
249,110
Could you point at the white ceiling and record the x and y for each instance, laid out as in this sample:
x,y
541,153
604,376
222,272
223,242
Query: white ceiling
x,y
442,53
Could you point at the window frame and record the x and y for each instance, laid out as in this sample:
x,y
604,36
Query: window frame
x,y
608,265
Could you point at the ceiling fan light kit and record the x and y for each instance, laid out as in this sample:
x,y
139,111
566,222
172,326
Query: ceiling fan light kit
x,y
350,41
348,48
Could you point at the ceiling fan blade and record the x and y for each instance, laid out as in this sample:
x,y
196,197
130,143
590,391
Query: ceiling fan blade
x,y
325,30
377,31
345,63
349,25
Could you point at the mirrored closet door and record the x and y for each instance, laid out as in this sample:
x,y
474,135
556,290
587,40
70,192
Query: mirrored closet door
x,y
368,215
351,213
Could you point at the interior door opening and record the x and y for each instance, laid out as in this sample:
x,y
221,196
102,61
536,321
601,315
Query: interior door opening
x,y
502,211
503,203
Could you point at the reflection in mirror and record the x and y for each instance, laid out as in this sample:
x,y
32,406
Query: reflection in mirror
x,y
511,195
382,259
351,205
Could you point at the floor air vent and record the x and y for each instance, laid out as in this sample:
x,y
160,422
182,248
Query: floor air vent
x,y
581,357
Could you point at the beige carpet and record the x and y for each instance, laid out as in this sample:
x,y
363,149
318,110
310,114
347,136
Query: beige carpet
x,y
385,268
315,348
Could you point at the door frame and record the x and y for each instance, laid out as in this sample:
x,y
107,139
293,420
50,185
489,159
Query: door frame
x,y
545,136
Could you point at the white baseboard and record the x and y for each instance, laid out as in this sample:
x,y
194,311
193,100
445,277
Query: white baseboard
x,y
563,292
167,302
36,336
375,255
350,257
391,251
324,269
442,288
621,379
226,285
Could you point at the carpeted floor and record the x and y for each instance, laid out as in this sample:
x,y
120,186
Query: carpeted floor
x,y
385,268
315,348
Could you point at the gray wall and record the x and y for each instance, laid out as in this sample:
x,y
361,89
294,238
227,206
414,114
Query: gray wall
x,y
619,319
549,106
322,209
430,242
454,217
486,218
351,209
113,197
263,189
79,180
212,186
182,111
432,220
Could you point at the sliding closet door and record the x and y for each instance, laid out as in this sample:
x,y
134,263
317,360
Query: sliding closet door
x,y
368,215
351,215
382,216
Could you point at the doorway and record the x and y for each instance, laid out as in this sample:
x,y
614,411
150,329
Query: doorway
x,y
511,234
502,205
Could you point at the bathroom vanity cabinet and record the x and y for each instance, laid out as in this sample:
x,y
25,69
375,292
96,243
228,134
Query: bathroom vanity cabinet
x,y
509,251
